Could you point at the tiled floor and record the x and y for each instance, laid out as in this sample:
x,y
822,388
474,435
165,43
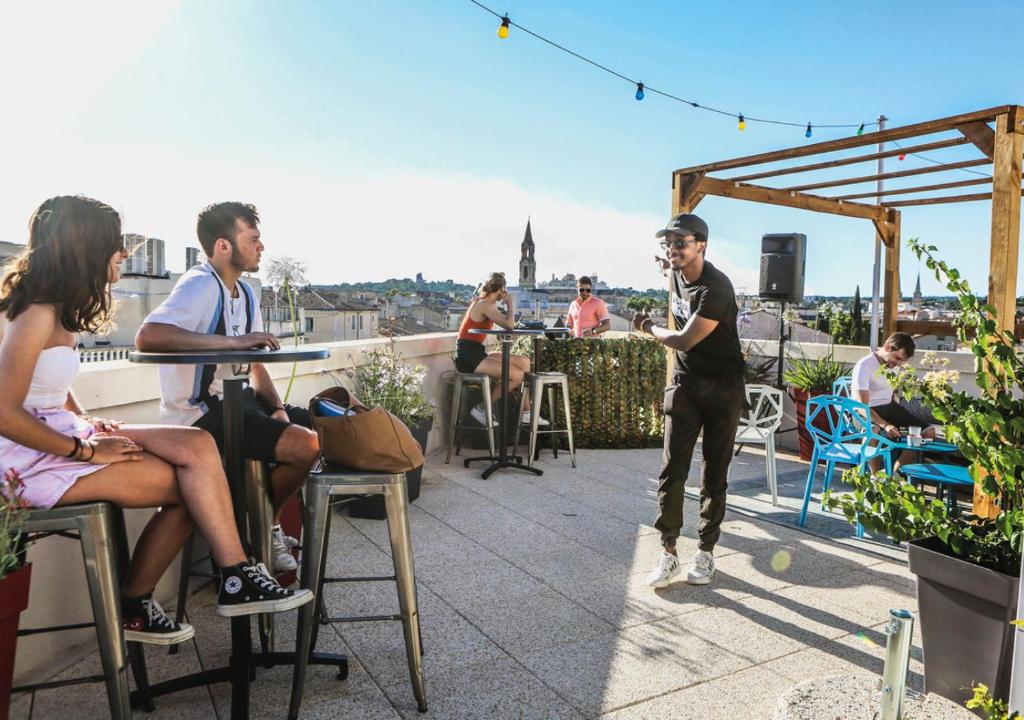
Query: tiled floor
x,y
533,606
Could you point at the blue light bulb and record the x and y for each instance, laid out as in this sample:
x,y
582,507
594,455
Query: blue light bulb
x,y
808,133
639,91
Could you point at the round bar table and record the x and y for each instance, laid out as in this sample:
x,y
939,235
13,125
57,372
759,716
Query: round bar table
x,y
243,660
503,459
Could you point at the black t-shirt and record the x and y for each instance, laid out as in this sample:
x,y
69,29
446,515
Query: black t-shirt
x,y
711,297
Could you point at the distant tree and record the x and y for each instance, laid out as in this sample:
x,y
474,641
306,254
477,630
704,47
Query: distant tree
x,y
286,273
858,332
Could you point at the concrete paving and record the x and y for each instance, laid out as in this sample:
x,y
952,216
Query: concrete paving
x,y
533,605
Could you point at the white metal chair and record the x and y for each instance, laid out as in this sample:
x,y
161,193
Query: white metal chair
x,y
760,426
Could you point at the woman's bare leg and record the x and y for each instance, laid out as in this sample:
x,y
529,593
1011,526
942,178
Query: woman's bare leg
x,y
181,473
491,365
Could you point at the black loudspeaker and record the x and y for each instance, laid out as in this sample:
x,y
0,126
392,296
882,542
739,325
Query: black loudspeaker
x,y
782,267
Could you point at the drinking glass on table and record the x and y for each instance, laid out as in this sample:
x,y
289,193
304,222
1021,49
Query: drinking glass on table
x,y
913,436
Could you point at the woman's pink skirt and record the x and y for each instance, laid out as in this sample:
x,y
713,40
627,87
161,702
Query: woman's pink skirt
x,y
45,477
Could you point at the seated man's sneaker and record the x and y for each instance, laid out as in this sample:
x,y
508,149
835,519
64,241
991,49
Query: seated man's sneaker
x,y
249,590
666,571
480,416
280,551
702,569
145,621
541,422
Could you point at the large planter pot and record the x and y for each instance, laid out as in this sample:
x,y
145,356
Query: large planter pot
x,y
965,613
372,506
800,398
13,599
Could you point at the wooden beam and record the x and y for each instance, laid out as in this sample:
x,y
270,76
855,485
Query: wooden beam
x,y
884,230
686,189
981,135
890,175
891,303
1006,192
773,196
925,147
873,138
919,188
942,200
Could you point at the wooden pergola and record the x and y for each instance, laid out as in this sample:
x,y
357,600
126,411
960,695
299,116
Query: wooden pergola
x,y
1001,147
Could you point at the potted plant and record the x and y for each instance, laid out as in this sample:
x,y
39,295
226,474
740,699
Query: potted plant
x,y
967,566
807,378
14,579
386,380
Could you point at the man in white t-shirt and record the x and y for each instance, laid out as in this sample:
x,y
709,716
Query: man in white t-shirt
x,y
871,387
211,308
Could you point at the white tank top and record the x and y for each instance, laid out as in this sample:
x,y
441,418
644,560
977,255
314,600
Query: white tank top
x,y
55,369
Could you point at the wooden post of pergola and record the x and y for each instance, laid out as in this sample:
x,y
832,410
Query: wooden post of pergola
x,y
1001,146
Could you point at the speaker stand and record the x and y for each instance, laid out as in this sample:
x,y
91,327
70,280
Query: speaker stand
x,y
782,342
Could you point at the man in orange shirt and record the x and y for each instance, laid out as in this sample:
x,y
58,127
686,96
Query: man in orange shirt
x,y
588,315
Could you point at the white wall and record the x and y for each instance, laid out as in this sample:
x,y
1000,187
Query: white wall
x,y
129,392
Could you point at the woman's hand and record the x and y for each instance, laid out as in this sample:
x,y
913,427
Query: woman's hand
x,y
112,449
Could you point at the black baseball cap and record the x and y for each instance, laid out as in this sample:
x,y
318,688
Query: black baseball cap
x,y
685,224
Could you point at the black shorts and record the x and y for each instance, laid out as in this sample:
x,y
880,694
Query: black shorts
x,y
260,432
903,416
468,355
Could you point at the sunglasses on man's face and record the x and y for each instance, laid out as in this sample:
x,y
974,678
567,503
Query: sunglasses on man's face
x,y
583,290
678,243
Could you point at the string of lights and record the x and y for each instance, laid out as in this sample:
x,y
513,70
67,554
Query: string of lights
x,y
642,89
919,156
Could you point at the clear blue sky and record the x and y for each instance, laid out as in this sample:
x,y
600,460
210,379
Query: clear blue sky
x,y
385,138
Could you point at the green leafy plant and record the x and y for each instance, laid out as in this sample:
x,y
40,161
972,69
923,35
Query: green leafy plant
x,y
616,388
387,380
988,429
814,376
13,515
993,709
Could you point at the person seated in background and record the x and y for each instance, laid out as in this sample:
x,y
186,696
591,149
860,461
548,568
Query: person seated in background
x,y
483,313
588,314
211,308
871,387
58,455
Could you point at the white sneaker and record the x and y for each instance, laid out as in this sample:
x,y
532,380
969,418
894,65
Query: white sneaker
x,y
480,416
702,569
666,571
289,542
280,556
541,422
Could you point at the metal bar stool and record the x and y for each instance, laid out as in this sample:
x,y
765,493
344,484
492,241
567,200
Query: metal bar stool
x,y
537,383
257,479
323,484
99,528
461,379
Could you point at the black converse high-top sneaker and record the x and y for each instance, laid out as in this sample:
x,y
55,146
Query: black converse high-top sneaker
x,y
250,589
145,621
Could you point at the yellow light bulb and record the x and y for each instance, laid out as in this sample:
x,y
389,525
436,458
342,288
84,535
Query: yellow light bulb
x,y
503,30
743,123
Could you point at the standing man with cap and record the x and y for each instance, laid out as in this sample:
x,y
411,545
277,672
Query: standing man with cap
x,y
706,394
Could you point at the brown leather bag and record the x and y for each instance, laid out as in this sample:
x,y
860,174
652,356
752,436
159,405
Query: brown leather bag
x,y
372,439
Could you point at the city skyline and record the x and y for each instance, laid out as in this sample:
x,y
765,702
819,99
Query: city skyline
x,y
369,163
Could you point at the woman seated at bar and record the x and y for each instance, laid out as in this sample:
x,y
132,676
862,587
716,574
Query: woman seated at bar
x,y
471,357
58,455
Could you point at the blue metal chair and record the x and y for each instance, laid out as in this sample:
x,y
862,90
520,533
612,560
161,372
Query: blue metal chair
x,y
947,479
847,439
842,386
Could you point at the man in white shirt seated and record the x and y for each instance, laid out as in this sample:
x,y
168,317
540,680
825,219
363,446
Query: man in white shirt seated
x,y
211,308
872,387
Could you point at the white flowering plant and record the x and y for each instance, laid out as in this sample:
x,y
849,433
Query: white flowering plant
x,y
385,379
13,515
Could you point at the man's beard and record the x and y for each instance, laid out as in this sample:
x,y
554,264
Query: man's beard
x,y
241,267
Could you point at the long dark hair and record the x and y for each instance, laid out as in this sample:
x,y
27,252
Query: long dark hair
x,y
70,242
